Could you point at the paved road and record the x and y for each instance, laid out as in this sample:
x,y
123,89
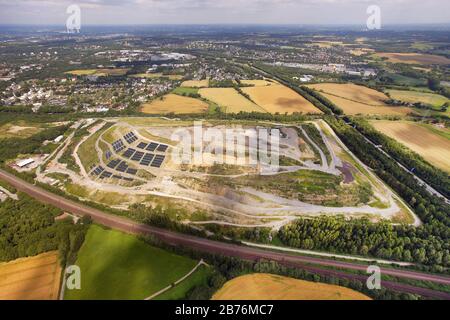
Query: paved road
x,y
227,249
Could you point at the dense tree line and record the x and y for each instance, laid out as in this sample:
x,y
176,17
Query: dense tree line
x,y
11,147
28,228
323,100
361,237
437,178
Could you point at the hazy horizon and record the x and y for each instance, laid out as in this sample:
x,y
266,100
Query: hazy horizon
x,y
224,12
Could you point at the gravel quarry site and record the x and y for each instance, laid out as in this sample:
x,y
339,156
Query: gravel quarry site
x,y
127,161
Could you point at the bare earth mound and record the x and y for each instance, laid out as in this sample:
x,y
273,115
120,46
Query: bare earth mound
x,y
273,287
433,147
354,99
176,104
35,278
278,98
229,99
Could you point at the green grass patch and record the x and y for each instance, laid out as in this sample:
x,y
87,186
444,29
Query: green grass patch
x,y
87,152
199,277
115,265
185,91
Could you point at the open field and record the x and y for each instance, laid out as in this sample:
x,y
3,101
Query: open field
x,y
174,103
258,83
432,99
98,72
127,268
433,147
274,287
278,98
230,100
355,99
34,278
185,90
413,58
195,83
18,130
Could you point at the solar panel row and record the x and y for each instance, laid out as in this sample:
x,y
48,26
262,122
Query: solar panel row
x,y
127,154
112,164
147,159
162,148
122,167
142,145
131,171
130,137
152,146
98,170
157,162
106,174
137,156
118,145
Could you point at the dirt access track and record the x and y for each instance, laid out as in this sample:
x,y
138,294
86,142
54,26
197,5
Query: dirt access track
x,y
227,249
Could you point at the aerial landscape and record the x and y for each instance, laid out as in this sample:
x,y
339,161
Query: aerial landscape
x,y
224,159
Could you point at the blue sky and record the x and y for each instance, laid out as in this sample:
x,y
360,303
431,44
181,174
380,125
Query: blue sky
x,y
224,11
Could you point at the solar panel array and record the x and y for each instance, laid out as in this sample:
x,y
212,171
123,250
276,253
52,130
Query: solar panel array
x,y
122,167
118,145
157,162
127,154
98,170
152,146
142,145
112,164
131,171
127,179
147,159
130,137
162,148
137,156
108,155
105,174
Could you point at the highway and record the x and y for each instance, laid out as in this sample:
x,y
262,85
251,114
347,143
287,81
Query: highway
x,y
233,250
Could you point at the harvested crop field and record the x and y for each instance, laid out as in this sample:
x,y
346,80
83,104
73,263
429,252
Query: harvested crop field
x,y
230,100
355,99
176,104
274,287
98,72
35,278
432,99
258,83
156,76
422,139
195,83
414,58
278,98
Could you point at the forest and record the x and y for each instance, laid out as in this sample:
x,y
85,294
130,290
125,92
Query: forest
x,y
28,228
